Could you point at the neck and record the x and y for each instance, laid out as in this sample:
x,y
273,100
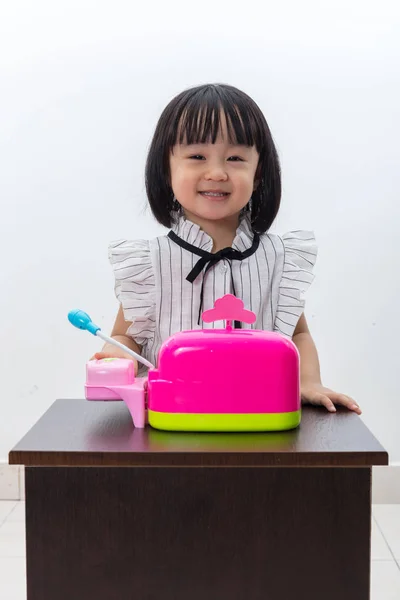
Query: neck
x,y
222,232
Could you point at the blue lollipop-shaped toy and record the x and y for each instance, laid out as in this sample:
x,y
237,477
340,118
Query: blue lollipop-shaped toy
x,y
81,320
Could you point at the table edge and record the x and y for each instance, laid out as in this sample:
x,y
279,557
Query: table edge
x,y
206,459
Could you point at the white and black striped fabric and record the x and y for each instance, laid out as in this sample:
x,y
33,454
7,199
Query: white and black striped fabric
x,y
151,285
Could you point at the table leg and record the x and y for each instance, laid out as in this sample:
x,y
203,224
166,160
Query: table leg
x,y
116,533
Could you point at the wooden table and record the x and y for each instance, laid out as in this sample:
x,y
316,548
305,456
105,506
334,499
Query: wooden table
x,y
116,513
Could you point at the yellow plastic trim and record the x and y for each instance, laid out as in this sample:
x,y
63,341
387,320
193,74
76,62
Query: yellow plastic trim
x,y
224,422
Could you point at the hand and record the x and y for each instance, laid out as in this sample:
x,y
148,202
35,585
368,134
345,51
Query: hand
x,y
317,394
115,352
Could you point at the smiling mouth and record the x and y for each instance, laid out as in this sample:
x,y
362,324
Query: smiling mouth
x,y
214,194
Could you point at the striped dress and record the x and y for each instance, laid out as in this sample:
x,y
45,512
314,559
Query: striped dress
x,y
151,285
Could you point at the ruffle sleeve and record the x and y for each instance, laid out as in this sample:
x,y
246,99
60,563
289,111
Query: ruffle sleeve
x,y
135,286
300,250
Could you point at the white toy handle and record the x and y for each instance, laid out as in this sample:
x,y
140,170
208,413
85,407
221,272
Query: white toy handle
x,y
81,320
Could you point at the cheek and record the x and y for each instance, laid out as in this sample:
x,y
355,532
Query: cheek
x,y
183,178
244,180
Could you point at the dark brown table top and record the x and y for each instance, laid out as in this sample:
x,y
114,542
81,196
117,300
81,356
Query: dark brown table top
x,y
83,433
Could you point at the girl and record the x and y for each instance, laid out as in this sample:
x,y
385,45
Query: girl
x,y
213,178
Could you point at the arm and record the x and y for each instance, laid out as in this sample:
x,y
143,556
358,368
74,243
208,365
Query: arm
x,y
309,362
119,333
312,390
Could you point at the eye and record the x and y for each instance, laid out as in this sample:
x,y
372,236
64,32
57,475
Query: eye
x,y
235,159
197,157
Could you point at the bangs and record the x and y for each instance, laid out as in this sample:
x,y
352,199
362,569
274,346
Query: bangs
x,y
214,111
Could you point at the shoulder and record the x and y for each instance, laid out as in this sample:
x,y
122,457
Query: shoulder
x,y
122,248
130,259
295,253
301,244
296,275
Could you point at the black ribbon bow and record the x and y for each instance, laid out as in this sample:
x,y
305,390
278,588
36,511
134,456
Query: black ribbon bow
x,y
209,260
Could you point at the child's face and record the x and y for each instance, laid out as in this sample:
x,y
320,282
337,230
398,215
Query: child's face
x,y
213,181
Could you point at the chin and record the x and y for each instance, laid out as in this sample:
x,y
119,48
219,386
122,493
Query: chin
x,y
215,216
214,213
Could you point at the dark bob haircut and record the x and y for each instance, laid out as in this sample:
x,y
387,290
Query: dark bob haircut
x,y
194,116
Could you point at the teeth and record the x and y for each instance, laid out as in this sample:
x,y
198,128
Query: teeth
x,y
216,194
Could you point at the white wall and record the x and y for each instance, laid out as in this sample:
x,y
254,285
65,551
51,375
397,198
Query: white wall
x,y
82,85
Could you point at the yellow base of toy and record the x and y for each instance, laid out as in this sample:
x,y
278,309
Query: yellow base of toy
x,y
224,422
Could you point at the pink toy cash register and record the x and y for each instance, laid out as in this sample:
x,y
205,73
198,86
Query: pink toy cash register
x,y
207,379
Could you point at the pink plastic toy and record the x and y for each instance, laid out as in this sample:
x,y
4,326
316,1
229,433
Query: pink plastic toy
x,y
210,379
114,379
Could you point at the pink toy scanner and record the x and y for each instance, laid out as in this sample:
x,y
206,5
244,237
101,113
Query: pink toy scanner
x,y
210,379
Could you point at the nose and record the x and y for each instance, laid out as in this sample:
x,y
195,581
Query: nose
x,y
215,173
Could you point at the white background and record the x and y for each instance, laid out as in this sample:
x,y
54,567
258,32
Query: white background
x,y
82,85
